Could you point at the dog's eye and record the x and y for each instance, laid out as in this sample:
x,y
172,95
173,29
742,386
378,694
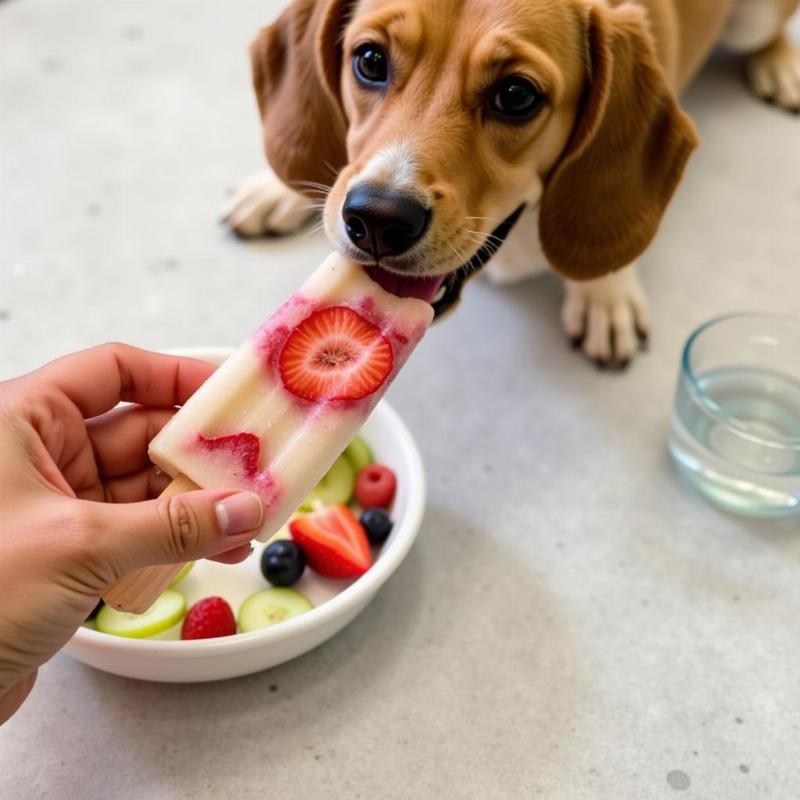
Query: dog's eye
x,y
516,97
371,64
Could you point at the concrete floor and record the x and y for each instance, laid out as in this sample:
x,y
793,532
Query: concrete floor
x,y
573,622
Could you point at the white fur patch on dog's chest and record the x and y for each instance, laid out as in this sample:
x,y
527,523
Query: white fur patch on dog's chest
x,y
753,25
521,255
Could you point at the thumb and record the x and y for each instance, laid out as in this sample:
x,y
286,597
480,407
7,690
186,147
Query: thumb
x,y
175,528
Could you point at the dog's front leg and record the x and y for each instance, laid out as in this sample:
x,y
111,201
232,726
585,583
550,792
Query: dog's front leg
x,y
263,205
757,29
774,73
606,317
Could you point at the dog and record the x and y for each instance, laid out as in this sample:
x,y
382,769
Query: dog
x,y
432,128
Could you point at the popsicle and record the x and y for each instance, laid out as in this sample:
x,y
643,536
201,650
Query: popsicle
x,y
274,417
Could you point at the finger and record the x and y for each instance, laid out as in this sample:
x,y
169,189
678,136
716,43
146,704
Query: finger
x,y
170,530
96,380
235,556
145,484
120,438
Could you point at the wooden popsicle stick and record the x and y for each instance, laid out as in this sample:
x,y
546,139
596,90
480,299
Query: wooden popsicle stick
x,y
138,590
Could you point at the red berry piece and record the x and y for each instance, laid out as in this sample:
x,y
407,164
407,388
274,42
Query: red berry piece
x,y
335,354
334,542
208,619
375,486
243,446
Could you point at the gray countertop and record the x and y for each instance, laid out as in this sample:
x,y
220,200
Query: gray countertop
x,y
573,621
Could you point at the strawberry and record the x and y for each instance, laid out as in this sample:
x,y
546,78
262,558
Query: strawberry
x,y
334,542
244,446
208,619
335,354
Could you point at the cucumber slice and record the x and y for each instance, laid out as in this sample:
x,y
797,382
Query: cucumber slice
x,y
270,606
164,613
187,568
358,454
335,488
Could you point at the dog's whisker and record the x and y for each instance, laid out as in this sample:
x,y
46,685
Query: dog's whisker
x,y
333,170
321,187
453,250
481,234
486,239
319,224
483,242
487,219
315,229
458,254
315,192
477,235
487,246
318,184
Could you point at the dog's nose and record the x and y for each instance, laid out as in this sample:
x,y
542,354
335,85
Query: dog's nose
x,y
383,222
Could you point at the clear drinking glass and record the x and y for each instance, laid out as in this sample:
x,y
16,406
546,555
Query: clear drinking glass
x,y
736,422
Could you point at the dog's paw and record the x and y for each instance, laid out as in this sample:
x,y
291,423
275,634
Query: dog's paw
x,y
263,205
774,74
607,317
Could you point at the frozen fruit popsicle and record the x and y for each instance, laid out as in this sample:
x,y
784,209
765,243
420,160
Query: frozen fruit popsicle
x,y
274,417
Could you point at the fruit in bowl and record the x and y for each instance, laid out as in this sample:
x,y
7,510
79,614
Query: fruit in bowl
x,y
166,657
330,541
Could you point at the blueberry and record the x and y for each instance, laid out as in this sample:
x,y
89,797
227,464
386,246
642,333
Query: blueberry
x,y
377,524
283,562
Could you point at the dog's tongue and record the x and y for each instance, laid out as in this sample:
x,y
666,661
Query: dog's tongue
x,y
407,286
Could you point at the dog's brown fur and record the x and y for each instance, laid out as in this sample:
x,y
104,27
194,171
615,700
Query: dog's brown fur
x,y
606,154
600,161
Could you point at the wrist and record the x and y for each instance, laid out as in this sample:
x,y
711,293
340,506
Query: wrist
x,y
13,698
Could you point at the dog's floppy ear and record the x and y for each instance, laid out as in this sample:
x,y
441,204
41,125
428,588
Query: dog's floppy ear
x,y
604,200
296,65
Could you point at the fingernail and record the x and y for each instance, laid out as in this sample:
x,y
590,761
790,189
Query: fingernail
x,y
239,513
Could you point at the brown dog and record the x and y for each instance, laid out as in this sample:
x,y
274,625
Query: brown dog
x,y
438,121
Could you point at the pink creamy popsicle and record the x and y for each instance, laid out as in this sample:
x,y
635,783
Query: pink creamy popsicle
x,y
278,412
274,417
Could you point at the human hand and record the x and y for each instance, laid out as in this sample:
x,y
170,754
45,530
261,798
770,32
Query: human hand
x,y
76,497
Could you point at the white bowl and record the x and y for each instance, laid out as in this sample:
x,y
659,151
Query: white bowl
x,y
336,603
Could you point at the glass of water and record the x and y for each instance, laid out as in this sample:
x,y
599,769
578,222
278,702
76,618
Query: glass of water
x,y
736,423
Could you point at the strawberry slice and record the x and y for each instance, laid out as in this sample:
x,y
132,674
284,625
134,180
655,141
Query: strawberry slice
x,y
335,354
243,446
334,542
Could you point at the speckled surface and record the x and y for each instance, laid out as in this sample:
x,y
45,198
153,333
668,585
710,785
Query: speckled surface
x,y
573,622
